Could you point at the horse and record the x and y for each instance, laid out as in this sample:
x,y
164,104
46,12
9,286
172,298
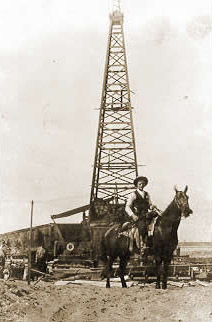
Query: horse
x,y
164,241
165,238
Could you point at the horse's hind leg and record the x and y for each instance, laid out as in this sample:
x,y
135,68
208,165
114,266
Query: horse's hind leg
x,y
108,282
109,268
158,271
122,268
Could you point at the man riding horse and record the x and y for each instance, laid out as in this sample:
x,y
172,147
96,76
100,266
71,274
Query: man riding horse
x,y
115,242
140,209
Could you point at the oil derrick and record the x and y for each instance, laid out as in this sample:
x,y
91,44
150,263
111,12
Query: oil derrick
x,y
115,163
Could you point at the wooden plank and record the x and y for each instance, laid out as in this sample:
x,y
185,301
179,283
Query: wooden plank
x,y
71,212
41,273
58,231
202,283
178,284
39,279
95,283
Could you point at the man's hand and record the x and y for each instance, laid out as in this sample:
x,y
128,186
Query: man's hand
x,y
134,217
155,208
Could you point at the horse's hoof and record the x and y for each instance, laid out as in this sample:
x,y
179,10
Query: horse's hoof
x,y
124,286
164,286
157,286
107,286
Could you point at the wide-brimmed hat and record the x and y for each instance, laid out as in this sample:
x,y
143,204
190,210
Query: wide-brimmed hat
x,y
141,178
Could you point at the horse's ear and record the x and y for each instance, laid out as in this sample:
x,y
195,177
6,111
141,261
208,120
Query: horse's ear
x,y
186,189
175,188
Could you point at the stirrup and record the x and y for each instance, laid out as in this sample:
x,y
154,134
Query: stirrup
x,y
142,251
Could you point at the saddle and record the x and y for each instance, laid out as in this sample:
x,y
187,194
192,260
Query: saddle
x,y
131,231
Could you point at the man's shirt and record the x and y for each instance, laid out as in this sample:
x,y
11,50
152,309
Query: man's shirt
x,y
132,198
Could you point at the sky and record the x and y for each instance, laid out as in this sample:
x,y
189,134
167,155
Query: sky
x,y
52,57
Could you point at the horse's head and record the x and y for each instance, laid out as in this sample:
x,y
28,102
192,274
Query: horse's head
x,y
181,200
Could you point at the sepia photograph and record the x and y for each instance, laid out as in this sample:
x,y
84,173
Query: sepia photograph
x,y
105,161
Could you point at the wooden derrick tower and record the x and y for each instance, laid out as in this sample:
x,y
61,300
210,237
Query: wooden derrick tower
x,y
115,163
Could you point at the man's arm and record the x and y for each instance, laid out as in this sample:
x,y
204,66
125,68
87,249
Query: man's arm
x,y
129,204
151,206
149,200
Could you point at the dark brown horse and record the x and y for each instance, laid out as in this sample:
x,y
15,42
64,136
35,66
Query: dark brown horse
x,y
165,238
164,242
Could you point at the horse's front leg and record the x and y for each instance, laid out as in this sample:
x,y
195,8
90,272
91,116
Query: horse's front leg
x,y
122,268
158,271
165,273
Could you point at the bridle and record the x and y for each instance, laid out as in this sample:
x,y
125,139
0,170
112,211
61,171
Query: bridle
x,y
178,203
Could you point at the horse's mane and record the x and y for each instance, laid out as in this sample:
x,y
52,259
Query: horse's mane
x,y
165,213
167,210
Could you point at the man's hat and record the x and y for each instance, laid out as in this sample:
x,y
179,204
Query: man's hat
x,y
140,178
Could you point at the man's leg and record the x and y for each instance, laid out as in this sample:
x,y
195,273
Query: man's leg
x,y
142,233
131,237
151,227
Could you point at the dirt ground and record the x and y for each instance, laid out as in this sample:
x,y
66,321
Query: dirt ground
x,y
47,302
